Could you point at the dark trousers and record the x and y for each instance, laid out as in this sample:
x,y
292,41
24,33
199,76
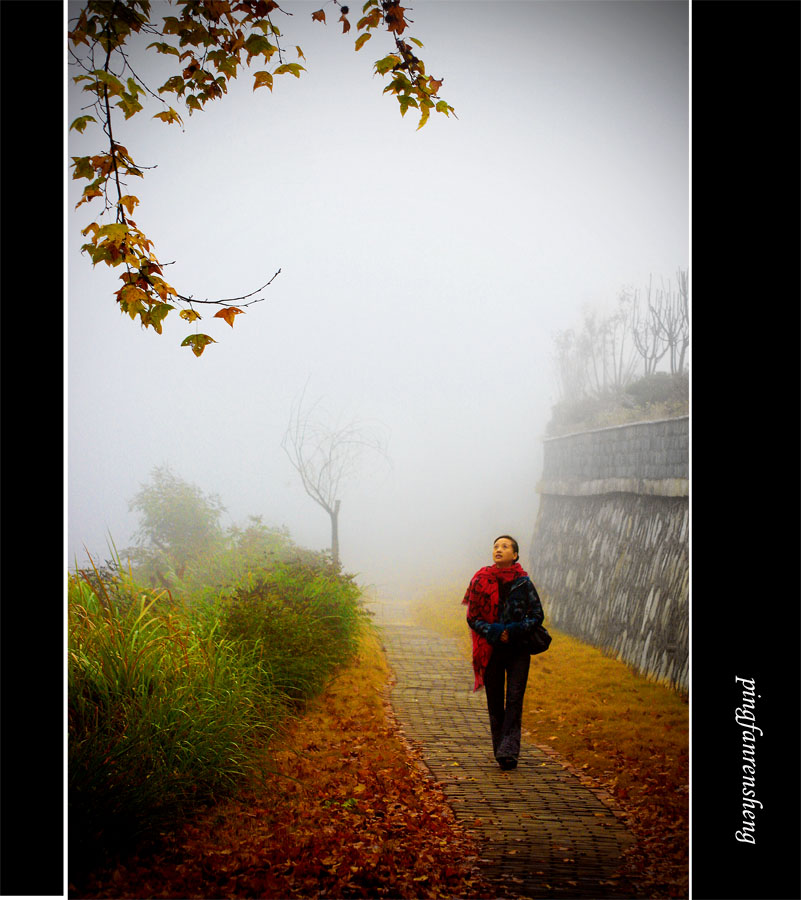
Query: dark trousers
x,y
506,674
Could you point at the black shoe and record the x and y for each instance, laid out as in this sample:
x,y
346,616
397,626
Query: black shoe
x,y
506,762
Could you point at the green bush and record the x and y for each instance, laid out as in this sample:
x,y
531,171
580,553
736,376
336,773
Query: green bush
x,y
171,695
301,615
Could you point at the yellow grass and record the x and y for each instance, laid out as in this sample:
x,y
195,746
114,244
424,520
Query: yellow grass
x,y
619,730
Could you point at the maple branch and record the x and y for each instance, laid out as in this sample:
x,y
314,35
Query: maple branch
x,y
276,36
105,26
107,122
146,88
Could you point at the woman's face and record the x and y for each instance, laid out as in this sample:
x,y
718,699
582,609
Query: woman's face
x,y
503,552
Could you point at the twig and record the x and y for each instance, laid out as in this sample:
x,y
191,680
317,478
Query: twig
x,y
230,300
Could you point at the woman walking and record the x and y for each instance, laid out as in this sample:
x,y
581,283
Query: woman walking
x,y
502,609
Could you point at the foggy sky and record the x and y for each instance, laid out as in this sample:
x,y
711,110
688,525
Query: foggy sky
x,y
424,274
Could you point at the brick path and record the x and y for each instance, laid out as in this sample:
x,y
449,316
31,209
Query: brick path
x,y
542,833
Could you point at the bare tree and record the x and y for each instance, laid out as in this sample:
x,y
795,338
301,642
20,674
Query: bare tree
x,y
646,329
571,377
671,321
622,353
680,326
325,456
619,358
608,358
591,349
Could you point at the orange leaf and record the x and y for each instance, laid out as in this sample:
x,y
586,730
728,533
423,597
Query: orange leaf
x,y
318,16
228,314
395,19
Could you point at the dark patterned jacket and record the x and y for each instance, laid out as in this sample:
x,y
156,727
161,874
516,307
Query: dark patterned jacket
x,y
519,610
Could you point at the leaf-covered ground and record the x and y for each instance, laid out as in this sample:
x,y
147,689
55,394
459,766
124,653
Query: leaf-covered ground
x,y
628,736
344,809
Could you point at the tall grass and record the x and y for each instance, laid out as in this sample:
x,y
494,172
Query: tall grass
x,y
170,696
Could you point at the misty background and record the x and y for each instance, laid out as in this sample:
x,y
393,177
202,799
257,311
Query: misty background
x,y
424,274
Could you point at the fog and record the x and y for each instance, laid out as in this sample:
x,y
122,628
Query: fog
x,y
423,274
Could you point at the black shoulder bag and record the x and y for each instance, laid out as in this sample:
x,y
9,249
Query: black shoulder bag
x,y
538,640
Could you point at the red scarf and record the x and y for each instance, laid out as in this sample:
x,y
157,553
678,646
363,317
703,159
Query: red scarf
x,y
481,599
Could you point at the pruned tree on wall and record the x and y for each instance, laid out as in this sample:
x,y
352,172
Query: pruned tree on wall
x,y
683,279
673,320
327,456
648,338
610,360
663,325
594,364
599,359
571,377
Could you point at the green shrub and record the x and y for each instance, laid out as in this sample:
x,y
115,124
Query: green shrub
x,y
228,561
301,615
171,695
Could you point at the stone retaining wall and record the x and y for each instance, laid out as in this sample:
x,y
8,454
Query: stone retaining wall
x,y
610,551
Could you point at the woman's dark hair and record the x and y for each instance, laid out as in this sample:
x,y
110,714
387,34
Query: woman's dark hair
x,y
509,538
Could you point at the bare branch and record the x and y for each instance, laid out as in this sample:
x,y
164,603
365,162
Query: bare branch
x,y
232,300
646,330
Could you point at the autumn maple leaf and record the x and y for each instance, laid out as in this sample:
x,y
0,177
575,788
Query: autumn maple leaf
x,y
395,19
228,314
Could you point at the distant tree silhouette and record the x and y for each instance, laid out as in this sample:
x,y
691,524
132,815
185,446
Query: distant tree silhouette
x,y
178,522
325,457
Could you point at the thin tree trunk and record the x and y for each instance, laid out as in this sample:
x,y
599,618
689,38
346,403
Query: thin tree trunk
x,y
335,534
